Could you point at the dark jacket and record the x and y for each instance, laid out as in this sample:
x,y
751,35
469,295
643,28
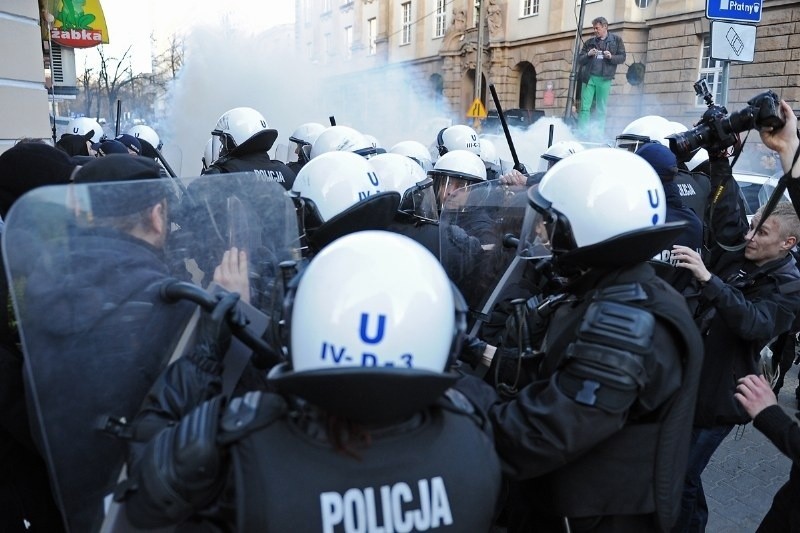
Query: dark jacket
x,y
726,217
278,463
585,459
103,337
258,162
778,426
748,306
612,43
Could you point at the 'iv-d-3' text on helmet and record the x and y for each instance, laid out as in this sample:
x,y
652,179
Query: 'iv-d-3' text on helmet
x,y
243,130
603,207
340,192
458,137
374,326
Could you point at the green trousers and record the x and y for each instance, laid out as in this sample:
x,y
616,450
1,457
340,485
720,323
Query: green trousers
x,y
596,89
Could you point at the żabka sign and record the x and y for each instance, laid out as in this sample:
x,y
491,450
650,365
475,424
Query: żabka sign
x,y
78,23
77,38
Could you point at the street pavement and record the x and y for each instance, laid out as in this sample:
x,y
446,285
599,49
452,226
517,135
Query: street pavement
x,y
745,473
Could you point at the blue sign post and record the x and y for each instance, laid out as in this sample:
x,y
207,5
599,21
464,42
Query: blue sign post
x,y
748,11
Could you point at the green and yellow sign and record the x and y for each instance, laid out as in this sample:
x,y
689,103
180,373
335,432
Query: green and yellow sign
x,y
78,23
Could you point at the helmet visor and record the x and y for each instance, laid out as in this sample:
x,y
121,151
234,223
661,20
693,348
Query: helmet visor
x,y
550,227
420,201
631,142
446,186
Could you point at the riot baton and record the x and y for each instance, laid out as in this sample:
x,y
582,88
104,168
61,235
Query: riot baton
x,y
517,165
119,112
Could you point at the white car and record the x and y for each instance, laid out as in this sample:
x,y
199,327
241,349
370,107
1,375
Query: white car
x,y
756,190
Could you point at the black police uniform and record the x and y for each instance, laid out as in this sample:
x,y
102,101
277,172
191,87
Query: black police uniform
x,y
258,162
269,464
693,189
600,432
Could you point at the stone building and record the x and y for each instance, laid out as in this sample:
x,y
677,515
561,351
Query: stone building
x,y
527,52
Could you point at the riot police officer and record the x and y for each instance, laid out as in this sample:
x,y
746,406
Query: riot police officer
x,y
595,438
242,138
338,447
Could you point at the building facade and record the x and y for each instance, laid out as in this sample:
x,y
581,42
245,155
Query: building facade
x,y
23,95
527,52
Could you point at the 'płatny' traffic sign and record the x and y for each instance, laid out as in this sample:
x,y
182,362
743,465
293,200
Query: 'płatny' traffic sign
x,y
748,11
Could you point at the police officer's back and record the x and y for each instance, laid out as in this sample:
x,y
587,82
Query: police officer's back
x,y
362,433
244,138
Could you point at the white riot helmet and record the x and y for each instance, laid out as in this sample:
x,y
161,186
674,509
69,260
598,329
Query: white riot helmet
x,y
559,151
243,130
641,131
304,136
401,174
83,125
455,170
603,207
342,139
147,134
458,137
490,158
416,151
360,329
328,189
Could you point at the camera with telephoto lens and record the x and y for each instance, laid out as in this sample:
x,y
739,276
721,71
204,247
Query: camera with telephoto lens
x,y
718,130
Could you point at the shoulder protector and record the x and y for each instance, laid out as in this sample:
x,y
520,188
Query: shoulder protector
x,y
604,365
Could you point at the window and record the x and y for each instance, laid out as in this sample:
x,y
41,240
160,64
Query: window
x,y
310,50
328,51
326,6
476,11
405,37
307,11
529,8
348,42
373,35
642,3
440,20
715,72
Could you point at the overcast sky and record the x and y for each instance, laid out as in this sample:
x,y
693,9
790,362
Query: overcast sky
x,y
131,24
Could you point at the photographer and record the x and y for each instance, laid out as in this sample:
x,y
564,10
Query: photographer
x,y
786,142
749,299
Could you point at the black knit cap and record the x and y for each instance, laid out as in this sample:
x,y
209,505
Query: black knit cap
x,y
28,165
122,198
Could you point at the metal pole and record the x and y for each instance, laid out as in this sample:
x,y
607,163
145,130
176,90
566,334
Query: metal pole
x,y
573,73
479,52
49,19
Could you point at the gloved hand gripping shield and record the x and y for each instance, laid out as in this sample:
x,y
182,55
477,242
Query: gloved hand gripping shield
x,y
86,264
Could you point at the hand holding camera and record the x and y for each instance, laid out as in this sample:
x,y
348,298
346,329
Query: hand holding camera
x,y
784,140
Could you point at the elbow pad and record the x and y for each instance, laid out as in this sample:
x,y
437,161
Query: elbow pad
x,y
180,470
604,367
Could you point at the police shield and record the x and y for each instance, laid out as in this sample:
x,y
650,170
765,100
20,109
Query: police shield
x,y
86,264
481,239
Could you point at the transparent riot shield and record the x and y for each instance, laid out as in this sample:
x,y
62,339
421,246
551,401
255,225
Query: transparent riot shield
x,y
87,280
486,240
173,154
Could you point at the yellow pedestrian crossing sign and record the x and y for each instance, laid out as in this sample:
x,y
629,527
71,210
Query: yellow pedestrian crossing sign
x,y
477,110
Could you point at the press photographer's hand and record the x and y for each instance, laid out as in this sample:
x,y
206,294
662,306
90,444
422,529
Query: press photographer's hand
x,y
784,141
